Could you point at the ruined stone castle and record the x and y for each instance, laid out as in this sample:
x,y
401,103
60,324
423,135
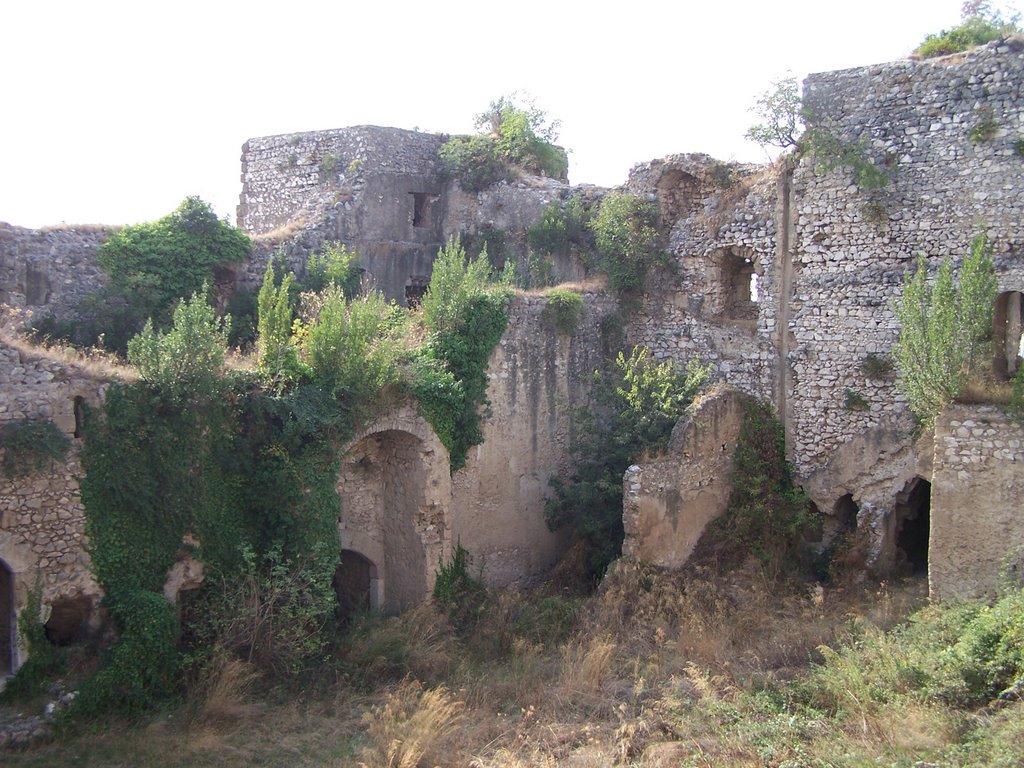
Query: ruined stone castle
x,y
783,277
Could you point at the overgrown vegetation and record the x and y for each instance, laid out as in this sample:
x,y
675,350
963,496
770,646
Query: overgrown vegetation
x,y
31,445
626,237
768,517
944,327
980,24
635,408
465,313
151,267
44,659
516,135
562,310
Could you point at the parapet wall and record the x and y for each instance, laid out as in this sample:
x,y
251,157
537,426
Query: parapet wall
x,y
48,271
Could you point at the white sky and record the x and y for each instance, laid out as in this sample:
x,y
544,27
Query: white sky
x,y
113,112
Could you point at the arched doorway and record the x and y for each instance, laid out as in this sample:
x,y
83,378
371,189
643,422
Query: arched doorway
x,y
355,581
394,487
912,513
8,621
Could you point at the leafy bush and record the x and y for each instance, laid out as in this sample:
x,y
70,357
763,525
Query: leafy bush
x,y
942,327
44,658
460,593
30,445
142,670
352,348
336,266
780,109
876,366
561,226
634,411
626,235
562,310
276,352
974,30
155,264
854,400
519,135
187,360
474,161
829,152
466,315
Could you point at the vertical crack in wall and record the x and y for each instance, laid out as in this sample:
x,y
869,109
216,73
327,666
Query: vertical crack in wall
x,y
786,227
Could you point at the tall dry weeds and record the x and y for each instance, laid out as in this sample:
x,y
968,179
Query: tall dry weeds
x,y
410,727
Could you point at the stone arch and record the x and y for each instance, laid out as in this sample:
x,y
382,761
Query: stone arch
x,y
678,196
8,621
395,491
1008,322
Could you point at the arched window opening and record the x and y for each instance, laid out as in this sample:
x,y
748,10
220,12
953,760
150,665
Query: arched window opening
x,y
1008,321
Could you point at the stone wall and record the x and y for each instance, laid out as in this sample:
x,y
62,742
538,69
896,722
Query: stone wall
x,y
42,521
977,527
48,271
537,375
669,501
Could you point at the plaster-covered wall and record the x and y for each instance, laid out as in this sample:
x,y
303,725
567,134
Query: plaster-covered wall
x,y
977,522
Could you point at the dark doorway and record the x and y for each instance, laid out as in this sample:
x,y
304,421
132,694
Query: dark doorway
x,y
7,620
353,581
421,209
913,521
414,290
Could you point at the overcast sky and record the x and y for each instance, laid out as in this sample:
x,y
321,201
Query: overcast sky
x,y
114,112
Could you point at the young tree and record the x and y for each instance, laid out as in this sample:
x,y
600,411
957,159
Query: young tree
x,y
942,327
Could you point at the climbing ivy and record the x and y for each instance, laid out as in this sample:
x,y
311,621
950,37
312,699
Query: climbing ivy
x,y
30,445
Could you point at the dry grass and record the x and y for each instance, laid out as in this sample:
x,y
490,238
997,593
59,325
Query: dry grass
x,y
92,362
107,229
282,233
410,728
223,693
595,284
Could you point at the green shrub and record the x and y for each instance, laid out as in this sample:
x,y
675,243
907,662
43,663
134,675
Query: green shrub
x,y
561,226
329,165
876,366
626,235
187,360
562,310
460,593
466,315
781,111
768,516
474,161
942,327
155,264
972,31
353,347
142,669
277,355
634,411
985,129
30,445
336,266
829,152
854,400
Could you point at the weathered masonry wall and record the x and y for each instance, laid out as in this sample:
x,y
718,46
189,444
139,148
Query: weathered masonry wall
x,y
977,522
851,247
48,271
719,299
42,520
537,375
669,501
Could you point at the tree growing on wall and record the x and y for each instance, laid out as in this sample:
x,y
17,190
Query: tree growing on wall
x,y
943,329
